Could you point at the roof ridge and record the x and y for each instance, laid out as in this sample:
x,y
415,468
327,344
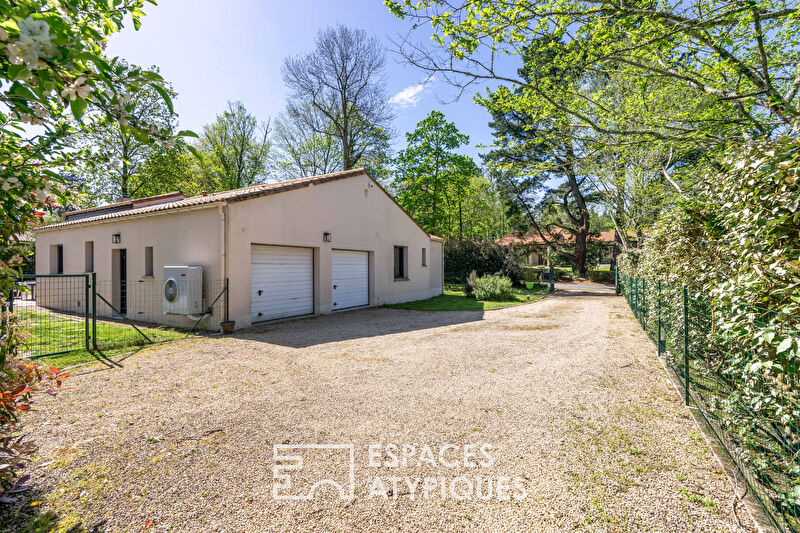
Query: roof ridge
x,y
233,195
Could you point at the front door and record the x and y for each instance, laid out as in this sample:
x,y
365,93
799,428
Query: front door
x,y
123,282
119,280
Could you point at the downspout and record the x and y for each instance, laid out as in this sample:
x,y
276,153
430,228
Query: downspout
x,y
223,256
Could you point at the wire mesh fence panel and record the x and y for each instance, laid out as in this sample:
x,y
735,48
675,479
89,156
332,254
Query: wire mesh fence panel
x,y
138,312
740,382
52,312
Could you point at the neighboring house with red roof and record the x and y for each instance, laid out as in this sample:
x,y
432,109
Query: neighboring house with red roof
x,y
537,247
293,248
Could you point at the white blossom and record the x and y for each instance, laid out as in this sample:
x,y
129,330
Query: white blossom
x,y
24,50
35,29
78,88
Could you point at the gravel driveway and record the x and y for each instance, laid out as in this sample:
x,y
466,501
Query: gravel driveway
x,y
566,396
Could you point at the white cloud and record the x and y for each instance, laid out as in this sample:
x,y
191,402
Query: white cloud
x,y
409,97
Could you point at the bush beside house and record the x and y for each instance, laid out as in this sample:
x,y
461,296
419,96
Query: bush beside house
x,y
484,257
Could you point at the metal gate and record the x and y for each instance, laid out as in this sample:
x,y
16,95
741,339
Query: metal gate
x,y
55,309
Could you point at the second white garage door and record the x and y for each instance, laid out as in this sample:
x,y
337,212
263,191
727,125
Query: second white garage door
x,y
350,276
281,282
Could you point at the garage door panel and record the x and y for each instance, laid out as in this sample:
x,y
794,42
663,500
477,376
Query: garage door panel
x,y
282,282
350,277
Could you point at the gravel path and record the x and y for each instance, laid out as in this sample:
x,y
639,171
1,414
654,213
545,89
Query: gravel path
x,y
567,392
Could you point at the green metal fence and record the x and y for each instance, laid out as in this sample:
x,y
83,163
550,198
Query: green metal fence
x,y
753,411
53,311
63,313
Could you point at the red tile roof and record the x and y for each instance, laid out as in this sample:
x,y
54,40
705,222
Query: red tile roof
x,y
145,206
558,236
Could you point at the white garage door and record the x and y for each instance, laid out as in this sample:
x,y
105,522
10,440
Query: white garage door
x,y
350,273
281,282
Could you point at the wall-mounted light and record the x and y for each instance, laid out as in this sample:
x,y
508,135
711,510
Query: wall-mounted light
x,y
116,238
326,237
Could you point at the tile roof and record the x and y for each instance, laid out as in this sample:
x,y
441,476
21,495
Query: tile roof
x,y
557,236
236,195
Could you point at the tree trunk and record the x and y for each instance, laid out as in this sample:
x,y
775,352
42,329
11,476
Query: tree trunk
x,y
580,253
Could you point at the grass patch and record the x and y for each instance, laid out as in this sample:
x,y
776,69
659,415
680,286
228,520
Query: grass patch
x,y
49,333
696,498
455,299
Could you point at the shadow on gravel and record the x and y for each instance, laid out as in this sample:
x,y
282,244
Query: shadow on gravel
x,y
357,324
27,516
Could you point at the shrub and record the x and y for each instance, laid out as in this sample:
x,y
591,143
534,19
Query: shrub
x,y
484,257
531,275
469,287
495,288
602,276
19,379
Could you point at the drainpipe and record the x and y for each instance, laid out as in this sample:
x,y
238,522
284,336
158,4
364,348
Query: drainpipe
x,y
223,256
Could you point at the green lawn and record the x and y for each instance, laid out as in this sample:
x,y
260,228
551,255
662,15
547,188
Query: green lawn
x,y
454,299
55,332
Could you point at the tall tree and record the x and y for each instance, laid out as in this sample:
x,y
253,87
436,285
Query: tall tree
x,y
170,169
235,149
344,80
119,151
432,181
744,55
299,149
540,150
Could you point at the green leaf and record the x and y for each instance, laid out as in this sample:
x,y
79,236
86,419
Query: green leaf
x,y
78,107
194,152
785,344
167,100
18,72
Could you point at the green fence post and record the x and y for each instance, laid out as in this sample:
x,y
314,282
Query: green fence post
x,y
644,305
86,310
658,312
227,297
686,344
94,310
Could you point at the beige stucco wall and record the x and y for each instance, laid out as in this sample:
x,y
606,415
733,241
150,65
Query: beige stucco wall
x,y
358,214
188,238
356,211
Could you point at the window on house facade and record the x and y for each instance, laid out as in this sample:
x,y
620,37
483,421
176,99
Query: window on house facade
x,y
148,261
88,259
56,258
400,263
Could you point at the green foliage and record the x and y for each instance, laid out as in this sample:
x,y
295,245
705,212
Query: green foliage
x,y
739,60
55,76
118,155
442,189
484,257
493,288
736,244
171,169
235,150
457,300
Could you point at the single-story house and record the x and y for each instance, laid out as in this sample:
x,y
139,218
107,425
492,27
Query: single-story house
x,y
294,248
537,247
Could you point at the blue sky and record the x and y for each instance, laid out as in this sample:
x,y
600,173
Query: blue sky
x,y
213,51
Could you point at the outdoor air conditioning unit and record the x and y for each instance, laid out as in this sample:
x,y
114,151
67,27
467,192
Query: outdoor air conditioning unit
x,y
183,290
